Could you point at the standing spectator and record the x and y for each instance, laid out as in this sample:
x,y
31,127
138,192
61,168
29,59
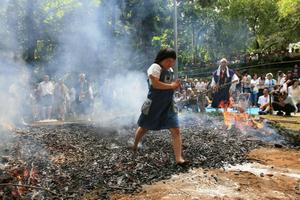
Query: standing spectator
x,y
246,82
294,92
34,101
238,86
270,82
178,99
285,104
61,99
71,106
264,102
280,77
254,89
261,85
296,71
84,96
46,90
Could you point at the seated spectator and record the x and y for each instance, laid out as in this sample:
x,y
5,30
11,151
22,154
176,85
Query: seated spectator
x,y
201,86
191,99
287,82
294,92
46,90
285,105
264,102
270,82
203,100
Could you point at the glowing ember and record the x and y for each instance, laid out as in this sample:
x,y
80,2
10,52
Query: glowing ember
x,y
241,120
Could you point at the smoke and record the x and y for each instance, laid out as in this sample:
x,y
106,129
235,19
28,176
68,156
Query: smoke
x,y
93,42
89,38
13,74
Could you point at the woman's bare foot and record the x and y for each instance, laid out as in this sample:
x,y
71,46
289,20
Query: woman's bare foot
x,y
183,163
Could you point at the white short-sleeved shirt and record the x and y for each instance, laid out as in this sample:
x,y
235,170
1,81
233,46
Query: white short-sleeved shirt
x,y
155,70
262,100
255,83
294,93
46,88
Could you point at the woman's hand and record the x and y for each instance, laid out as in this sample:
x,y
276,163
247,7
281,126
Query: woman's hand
x,y
176,84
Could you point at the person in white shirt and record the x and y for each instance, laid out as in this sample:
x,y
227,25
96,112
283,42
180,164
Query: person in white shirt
x,y
201,86
254,89
46,90
159,111
280,77
294,92
264,102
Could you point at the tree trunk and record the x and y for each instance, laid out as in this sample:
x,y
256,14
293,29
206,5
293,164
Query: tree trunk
x,y
193,44
30,33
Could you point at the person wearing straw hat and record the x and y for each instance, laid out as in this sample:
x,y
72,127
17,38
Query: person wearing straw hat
x,y
222,80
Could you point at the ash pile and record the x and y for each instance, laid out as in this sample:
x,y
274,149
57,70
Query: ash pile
x,y
69,161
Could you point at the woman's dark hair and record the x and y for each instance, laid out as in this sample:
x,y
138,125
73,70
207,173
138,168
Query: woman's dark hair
x,y
164,54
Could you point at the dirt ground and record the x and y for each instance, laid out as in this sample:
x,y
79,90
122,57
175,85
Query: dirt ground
x,y
274,174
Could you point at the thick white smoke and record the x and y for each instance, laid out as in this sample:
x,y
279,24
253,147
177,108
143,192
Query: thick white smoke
x,y
13,75
89,44
90,40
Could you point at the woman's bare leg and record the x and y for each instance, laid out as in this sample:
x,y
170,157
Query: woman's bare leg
x,y
177,144
140,132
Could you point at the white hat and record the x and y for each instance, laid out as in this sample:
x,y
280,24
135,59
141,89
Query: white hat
x,y
269,74
223,60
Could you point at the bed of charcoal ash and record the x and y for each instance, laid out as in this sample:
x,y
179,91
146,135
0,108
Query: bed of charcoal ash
x,y
72,160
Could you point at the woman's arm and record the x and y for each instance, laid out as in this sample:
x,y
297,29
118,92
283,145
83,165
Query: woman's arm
x,y
163,86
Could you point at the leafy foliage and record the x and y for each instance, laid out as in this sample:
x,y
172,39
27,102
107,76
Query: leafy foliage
x,y
208,29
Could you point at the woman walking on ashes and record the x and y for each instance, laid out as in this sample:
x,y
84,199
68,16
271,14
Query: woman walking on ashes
x,y
159,111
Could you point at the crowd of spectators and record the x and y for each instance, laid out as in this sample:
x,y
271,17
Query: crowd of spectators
x,y
51,100
268,92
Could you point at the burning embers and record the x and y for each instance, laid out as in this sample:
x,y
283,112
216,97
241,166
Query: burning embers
x,y
239,118
241,121
18,181
81,158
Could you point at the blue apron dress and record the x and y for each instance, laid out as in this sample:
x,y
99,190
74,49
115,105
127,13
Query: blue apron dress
x,y
222,96
159,110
